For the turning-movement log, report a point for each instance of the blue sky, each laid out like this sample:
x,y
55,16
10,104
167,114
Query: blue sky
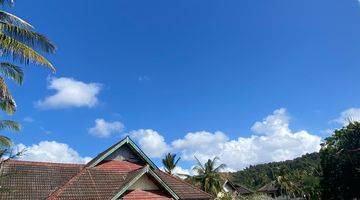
x,y
178,67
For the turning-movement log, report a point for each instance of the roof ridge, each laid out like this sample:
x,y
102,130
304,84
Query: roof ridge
x,y
93,182
43,163
179,179
57,191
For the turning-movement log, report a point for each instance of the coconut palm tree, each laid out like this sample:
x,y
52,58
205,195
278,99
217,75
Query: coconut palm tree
x,y
20,43
208,176
19,40
286,186
7,103
170,163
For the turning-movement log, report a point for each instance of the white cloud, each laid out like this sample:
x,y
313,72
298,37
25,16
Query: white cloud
x,y
351,114
70,93
51,151
200,144
151,142
104,129
272,140
179,171
278,122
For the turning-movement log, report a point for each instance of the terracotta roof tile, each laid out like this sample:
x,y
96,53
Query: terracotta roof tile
x,y
36,180
120,166
183,189
92,184
145,195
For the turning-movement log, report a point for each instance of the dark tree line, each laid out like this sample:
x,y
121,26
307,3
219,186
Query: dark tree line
x,y
340,162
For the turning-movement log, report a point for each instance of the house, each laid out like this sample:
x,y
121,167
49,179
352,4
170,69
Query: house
x,y
242,190
235,190
123,171
269,189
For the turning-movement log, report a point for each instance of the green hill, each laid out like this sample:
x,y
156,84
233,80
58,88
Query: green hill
x,y
301,170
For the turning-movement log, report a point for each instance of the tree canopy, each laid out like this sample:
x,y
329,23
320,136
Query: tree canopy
x,y
340,162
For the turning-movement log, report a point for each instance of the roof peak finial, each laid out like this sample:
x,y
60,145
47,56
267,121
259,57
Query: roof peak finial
x,y
127,137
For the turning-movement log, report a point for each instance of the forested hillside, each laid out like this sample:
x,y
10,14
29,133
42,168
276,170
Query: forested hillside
x,y
303,170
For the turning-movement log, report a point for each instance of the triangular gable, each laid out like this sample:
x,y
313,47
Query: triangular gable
x,y
227,185
125,142
137,175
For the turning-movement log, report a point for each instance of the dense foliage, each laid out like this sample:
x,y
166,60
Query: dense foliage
x,y
340,162
334,173
297,177
257,176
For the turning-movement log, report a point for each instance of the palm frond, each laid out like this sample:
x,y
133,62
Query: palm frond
x,y
8,105
5,142
28,37
215,159
208,177
170,163
10,125
22,52
12,71
220,167
14,20
176,162
7,102
199,164
7,2
4,91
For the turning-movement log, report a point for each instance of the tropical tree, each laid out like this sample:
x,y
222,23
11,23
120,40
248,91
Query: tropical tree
x,y
170,163
287,187
18,43
208,175
340,163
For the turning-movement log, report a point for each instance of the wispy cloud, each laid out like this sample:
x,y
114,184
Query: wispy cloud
x,y
70,93
143,78
28,119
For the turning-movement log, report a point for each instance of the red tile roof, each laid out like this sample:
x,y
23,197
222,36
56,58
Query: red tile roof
x,y
182,188
145,195
117,165
92,184
36,180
